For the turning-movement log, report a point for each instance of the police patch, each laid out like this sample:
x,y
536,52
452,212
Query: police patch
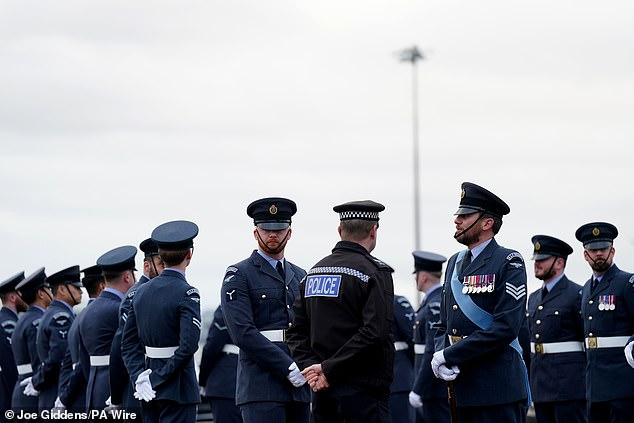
x,y
322,286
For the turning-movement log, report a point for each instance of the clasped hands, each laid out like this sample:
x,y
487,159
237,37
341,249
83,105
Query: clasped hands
x,y
315,377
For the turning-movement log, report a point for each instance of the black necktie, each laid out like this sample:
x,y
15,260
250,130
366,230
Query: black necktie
x,y
544,292
466,261
280,270
595,282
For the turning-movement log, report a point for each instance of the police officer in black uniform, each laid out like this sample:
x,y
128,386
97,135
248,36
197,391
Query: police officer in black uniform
x,y
121,387
73,377
100,321
36,292
341,334
429,394
402,332
558,361
607,308
52,336
483,307
218,367
256,298
164,326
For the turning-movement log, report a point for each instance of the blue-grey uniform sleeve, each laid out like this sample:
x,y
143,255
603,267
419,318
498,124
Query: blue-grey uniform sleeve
x,y
217,337
236,308
132,350
48,371
508,314
189,334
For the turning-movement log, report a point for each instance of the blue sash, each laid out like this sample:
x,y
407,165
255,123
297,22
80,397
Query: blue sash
x,y
480,317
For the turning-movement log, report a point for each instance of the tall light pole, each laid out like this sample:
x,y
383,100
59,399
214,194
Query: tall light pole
x,y
413,55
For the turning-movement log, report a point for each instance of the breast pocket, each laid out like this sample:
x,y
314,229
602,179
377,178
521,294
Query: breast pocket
x,y
265,302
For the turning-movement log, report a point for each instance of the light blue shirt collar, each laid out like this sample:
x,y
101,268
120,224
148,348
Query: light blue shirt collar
x,y
550,285
478,249
175,270
271,260
115,292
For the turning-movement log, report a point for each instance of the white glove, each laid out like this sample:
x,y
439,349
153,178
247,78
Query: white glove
x,y
59,405
29,390
110,407
203,391
143,387
295,376
628,354
448,374
437,359
415,400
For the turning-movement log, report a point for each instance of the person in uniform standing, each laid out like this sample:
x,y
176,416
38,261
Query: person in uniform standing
x,y
218,367
100,321
402,332
607,308
341,334
52,336
121,389
73,377
482,309
36,292
163,325
558,361
256,298
429,394
12,303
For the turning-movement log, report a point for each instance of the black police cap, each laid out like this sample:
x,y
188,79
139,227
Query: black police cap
x,y
149,247
33,282
10,284
428,261
118,259
68,276
176,235
545,246
474,198
597,235
272,213
359,210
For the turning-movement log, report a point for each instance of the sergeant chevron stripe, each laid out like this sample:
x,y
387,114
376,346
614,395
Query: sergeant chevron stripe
x,y
516,292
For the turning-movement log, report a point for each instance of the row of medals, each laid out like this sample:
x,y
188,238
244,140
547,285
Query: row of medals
x,y
607,302
476,287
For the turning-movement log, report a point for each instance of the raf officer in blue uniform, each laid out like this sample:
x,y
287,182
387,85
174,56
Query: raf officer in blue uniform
x,y
52,336
402,332
12,303
341,334
558,360
482,309
162,330
429,394
218,367
256,298
100,321
607,308
121,389
36,292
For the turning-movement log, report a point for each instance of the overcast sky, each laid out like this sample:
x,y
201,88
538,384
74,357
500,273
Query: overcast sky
x,y
116,116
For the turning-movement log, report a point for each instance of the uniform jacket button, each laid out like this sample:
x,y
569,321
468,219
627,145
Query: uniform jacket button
x,y
263,296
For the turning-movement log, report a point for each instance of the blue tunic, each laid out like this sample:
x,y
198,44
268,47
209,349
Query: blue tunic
x,y
24,345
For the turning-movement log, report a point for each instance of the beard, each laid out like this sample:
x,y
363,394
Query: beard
x,y
468,237
271,246
545,275
600,265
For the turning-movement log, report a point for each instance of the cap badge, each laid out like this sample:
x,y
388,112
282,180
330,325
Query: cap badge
x,y
462,193
596,231
273,209
537,246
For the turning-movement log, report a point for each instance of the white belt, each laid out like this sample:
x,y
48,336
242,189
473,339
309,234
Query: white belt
x,y
400,346
606,342
278,335
160,352
230,349
419,348
556,347
25,369
99,360
75,365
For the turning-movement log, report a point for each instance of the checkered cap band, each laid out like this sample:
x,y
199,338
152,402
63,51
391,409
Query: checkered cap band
x,y
361,215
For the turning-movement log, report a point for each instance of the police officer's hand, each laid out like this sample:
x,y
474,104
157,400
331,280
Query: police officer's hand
x,y
295,376
628,354
315,377
415,400
143,387
29,390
